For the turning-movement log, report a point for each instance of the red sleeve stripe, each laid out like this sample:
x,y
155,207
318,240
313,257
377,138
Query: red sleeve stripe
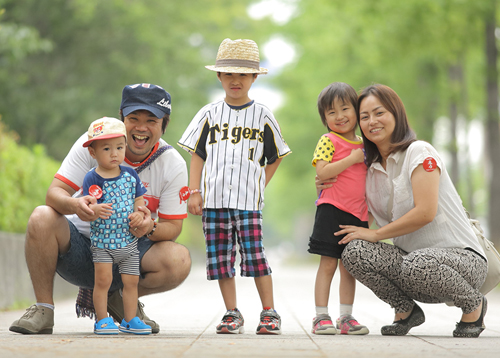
x,y
173,217
67,181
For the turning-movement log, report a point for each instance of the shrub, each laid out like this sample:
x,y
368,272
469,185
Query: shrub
x,y
25,175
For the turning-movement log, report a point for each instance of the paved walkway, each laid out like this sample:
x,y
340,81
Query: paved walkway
x,y
188,316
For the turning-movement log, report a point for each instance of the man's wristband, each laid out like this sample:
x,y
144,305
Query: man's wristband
x,y
155,224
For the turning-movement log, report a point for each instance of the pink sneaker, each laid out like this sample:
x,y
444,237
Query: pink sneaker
x,y
348,325
323,324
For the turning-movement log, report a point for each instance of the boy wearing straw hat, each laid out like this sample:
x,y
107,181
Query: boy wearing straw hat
x,y
119,192
237,145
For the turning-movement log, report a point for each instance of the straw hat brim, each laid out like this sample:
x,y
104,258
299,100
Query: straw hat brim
x,y
232,69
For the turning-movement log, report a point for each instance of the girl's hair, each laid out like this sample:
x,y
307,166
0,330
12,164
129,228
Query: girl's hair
x,y
402,136
336,91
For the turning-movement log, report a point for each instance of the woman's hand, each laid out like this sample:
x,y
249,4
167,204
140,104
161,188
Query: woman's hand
x,y
324,184
356,232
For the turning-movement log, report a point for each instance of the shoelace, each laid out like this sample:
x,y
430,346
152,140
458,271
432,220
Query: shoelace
x,y
142,315
141,310
30,312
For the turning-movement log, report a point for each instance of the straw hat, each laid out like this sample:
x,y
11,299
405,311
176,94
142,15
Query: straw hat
x,y
238,56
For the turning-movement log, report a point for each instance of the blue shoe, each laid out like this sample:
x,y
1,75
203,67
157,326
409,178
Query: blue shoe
x,y
135,326
105,326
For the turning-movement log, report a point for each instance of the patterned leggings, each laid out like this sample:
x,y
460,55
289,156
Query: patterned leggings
x,y
432,275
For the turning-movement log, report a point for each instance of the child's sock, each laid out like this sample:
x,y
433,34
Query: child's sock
x,y
321,310
345,310
48,305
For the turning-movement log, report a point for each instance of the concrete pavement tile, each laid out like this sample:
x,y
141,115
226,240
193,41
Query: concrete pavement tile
x,y
189,314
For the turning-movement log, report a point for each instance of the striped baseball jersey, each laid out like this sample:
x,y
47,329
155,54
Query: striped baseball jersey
x,y
236,143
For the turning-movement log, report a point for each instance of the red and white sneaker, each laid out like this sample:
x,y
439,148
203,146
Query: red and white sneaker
x,y
270,322
323,324
348,325
232,322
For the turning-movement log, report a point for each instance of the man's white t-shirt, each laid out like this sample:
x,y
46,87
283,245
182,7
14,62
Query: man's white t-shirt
x,y
163,180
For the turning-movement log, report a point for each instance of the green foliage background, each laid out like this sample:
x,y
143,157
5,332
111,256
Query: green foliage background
x,y
24,179
63,63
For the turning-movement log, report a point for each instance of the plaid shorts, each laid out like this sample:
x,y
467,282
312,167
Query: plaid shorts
x,y
222,227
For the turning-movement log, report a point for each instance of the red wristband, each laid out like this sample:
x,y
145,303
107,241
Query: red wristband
x,y
185,193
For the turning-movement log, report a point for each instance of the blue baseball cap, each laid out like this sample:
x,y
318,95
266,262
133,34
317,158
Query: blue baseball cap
x,y
145,96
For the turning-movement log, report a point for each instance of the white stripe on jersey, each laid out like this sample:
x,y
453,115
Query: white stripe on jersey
x,y
236,144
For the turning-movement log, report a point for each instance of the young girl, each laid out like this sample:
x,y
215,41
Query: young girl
x,y
339,153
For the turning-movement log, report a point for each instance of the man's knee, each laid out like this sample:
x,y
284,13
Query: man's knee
x,y
169,259
178,260
38,217
41,219
45,224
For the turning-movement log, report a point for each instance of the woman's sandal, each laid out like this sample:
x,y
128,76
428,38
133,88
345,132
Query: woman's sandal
x,y
403,326
472,329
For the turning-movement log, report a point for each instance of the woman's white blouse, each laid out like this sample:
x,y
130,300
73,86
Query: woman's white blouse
x,y
450,227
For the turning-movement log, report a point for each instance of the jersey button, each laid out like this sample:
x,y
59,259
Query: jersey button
x,y
230,187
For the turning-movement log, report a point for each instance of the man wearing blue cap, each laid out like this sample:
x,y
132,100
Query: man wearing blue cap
x,y
57,236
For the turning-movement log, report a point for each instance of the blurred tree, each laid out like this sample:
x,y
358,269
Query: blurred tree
x,y
492,118
430,52
98,47
65,64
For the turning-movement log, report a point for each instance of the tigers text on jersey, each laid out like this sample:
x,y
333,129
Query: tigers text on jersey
x,y
236,143
163,179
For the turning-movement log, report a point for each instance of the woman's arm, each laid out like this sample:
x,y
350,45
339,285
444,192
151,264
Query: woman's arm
x,y
425,187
